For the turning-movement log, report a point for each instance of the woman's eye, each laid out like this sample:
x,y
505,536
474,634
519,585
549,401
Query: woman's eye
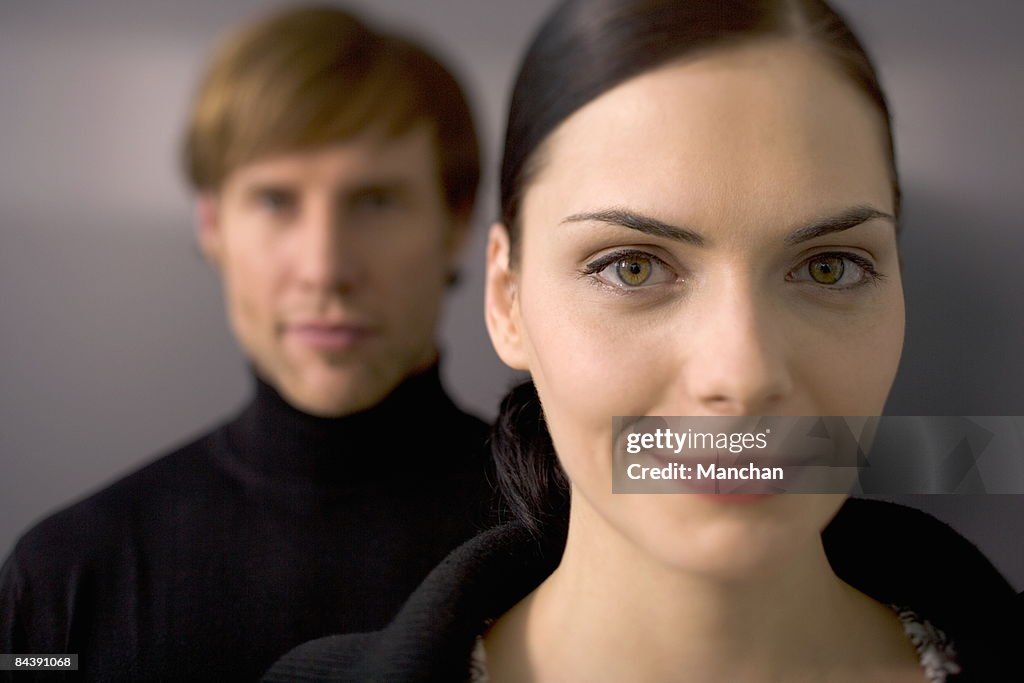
x,y
630,270
634,270
835,271
826,270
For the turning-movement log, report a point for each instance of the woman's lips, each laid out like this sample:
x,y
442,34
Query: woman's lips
x,y
735,497
711,489
329,337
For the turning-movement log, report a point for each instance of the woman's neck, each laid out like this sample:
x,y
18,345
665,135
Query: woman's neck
x,y
612,611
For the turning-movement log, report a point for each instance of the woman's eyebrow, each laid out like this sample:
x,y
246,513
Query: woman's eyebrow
x,y
844,220
627,218
637,221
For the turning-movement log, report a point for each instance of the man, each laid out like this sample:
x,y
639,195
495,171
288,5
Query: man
x,y
335,171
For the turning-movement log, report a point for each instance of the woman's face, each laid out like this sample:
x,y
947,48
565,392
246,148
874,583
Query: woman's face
x,y
710,238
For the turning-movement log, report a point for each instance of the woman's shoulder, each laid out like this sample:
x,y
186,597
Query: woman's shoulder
x,y
902,556
881,541
433,635
332,658
896,554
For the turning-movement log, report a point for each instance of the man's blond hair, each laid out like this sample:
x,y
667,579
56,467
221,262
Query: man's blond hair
x,y
315,76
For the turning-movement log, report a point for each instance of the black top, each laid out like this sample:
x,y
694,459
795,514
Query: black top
x,y
273,529
892,553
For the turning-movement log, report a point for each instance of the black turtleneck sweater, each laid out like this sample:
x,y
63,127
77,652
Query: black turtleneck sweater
x,y
275,528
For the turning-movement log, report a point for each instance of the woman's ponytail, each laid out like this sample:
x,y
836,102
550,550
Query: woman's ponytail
x,y
531,480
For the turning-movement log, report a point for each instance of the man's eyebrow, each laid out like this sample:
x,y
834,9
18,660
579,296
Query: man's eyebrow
x,y
381,183
396,185
637,221
259,186
844,220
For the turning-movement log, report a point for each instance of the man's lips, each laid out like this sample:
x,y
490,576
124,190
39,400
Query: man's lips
x,y
329,336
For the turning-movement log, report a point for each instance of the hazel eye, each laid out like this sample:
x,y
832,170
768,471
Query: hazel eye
x,y
634,270
826,270
630,270
835,271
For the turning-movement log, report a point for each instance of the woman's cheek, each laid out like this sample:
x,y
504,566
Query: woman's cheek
x,y
851,372
587,369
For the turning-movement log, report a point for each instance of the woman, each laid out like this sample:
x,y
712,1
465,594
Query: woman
x,y
699,217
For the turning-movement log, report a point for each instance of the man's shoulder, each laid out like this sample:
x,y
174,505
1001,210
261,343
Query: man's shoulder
x,y
93,524
469,425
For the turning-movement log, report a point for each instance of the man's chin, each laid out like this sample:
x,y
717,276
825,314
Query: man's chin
x,y
336,394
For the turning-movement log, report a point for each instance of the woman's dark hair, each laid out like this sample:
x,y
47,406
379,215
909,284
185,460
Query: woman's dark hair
x,y
532,483
582,50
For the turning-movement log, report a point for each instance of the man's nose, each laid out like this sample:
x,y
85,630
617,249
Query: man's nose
x,y
328,254
739,361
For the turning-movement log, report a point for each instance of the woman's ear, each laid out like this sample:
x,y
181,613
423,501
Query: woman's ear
x,y
207,227
501,301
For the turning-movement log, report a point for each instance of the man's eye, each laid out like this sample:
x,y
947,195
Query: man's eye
x,y
835,271
376,200
276,201
630,270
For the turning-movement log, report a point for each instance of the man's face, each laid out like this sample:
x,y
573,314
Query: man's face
x,y
334,264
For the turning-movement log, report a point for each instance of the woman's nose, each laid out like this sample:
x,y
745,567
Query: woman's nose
x,y
738,361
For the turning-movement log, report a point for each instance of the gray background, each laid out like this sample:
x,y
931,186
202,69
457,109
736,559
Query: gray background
x,y
114,343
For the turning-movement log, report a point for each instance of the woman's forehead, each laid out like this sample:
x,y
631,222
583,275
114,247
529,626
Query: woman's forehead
x,y
764,127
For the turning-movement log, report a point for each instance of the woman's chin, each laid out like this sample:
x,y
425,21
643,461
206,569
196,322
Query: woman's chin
x,y
729,539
